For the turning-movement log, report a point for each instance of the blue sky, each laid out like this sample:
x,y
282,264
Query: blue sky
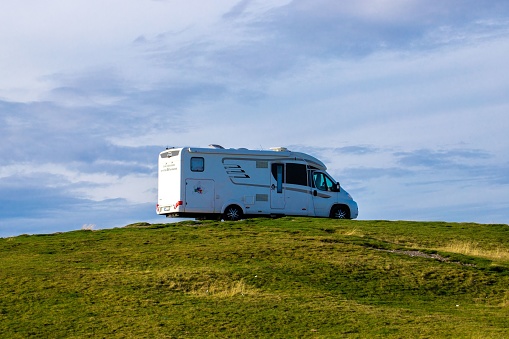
x,y
406,101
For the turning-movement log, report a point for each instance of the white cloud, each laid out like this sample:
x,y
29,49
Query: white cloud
x,y
369,10
41,38
95,186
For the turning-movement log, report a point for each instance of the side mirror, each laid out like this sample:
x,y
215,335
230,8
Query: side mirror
x,y
338,187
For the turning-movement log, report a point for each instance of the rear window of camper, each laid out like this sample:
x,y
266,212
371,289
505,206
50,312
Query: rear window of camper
x,y
169,154
197,164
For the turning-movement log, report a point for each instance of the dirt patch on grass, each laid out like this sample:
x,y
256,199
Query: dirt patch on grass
x,y
414,253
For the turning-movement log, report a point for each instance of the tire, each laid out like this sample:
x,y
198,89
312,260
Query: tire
x,y
340,212
232,213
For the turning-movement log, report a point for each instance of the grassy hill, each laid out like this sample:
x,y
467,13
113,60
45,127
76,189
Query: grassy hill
x,y
289,277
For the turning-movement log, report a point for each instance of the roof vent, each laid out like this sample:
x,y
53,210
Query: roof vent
x,y
216,146
279,149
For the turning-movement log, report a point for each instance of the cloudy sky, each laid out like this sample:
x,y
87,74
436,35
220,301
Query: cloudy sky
x,y
406,101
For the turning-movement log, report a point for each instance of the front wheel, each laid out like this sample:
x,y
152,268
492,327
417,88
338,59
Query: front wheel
x,y
232,213
340,212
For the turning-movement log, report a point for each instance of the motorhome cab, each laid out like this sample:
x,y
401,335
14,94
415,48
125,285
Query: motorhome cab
x,y
233,183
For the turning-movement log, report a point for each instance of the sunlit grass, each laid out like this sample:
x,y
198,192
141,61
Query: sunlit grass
x,y
473,248
206,282
227,290
354,232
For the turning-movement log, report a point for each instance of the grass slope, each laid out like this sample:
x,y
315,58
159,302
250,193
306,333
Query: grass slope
x,y
290,277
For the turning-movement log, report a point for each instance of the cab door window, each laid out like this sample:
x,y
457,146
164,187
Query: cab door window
x,y
322,182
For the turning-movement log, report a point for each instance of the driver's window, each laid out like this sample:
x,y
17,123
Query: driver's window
x,y
320,181
323,182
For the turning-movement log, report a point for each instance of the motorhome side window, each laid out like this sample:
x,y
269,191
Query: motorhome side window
x,y
296,174
197,164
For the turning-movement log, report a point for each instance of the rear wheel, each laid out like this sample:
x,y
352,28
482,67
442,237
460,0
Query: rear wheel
x,y
232,213
340,212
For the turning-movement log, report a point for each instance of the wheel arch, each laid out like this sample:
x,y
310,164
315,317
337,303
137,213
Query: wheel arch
x,y
337,207
235,203
233,212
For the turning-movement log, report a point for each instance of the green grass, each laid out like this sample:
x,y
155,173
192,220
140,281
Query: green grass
x,y
289,277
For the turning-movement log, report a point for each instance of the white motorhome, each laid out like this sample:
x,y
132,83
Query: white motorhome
x,y
232,183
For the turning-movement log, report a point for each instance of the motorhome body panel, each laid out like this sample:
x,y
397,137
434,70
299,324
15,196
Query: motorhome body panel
x,y
203,181
169,182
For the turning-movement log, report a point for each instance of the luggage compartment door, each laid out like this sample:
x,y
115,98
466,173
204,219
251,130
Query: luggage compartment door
x,y
200,195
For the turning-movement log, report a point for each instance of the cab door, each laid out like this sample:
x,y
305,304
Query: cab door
x,y
323,191
277,194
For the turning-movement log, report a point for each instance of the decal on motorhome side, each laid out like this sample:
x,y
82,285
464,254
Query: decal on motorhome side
x,y
235,171
198,189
